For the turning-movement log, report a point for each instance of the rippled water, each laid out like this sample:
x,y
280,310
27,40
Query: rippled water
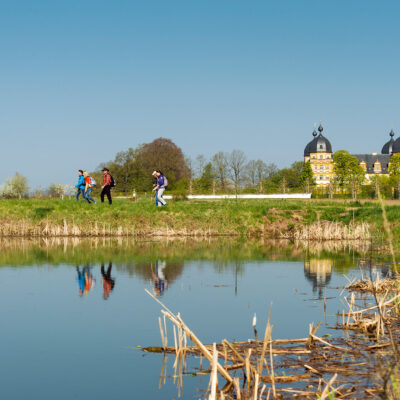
x,y
74,314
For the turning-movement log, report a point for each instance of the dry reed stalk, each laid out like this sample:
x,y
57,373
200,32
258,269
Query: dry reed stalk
x,y
247,366
236,384
386,225
214,376
325,392
238,356
272,369
179,323
256,383
162,333
267,335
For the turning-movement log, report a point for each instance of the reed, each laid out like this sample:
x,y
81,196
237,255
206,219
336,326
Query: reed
x,y
321,368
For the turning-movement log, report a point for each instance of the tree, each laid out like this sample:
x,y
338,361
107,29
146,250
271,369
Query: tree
x,y
394,171
306,179
220,165
58,190
236,163
17,186
123,169
291,176
205,182
55,190
165,155
200,164
348,172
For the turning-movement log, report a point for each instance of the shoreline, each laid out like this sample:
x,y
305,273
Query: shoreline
x,y
268,219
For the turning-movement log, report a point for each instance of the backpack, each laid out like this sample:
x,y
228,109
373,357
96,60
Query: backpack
x,y
93,182
112,182
166,183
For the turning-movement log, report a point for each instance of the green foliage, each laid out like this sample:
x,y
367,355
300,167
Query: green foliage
x,y
346,168
204,184
394,165
306,179
284,179
132,169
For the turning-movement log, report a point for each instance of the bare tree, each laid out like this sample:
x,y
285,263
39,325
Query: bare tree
x,y
200,164
236,162
251,173
189,163
220,164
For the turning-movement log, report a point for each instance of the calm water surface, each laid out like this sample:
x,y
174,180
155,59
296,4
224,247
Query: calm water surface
x,y
71,324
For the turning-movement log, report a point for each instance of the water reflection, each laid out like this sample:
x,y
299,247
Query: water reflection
x,y
319,273
108,281
160,279
85,280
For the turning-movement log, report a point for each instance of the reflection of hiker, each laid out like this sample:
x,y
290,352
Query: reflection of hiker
x,y
162,184
108,183
85,280
80,186
159,278
108,282
89,184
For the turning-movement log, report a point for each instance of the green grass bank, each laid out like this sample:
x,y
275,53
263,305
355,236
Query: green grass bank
x,y
252,218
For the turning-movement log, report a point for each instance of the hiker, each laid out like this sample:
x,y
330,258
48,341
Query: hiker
x,y
108,282
162,184
89,183
154,185
80,186
108,183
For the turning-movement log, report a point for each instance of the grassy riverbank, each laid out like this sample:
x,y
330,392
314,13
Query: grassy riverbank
x,y
265,218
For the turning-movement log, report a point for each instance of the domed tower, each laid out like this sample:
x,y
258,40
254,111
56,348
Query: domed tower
x,y
396,146
388,146
319,153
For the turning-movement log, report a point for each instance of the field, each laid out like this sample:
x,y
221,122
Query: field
x,y
292,219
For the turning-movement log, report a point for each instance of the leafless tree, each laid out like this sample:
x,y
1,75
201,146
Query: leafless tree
x,y
251,173
236,162
220,164
200,164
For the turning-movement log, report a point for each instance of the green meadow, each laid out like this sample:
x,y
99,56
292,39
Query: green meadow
x,y
32,217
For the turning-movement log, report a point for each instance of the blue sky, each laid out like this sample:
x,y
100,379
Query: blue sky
x,y
82,80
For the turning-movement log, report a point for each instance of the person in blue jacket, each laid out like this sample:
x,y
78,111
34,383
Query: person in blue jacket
x,y
80,186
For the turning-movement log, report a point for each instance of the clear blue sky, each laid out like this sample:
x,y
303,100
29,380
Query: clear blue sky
x,y
81,80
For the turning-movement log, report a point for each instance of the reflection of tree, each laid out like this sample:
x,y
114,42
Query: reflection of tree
x,y
146,270
319,273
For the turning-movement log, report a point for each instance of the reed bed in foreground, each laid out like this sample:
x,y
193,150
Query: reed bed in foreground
x,y
363,363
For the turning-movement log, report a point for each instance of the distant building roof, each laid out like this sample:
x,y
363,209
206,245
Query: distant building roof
x,y
370,160
396,146
388,146
320,144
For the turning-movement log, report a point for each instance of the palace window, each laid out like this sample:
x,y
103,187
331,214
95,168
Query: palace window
x,y
321,177
321,157
321,167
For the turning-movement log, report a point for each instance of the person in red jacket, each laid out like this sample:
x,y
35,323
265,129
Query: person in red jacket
x,y
106,188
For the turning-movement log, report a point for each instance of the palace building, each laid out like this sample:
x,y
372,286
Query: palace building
x,y
319,153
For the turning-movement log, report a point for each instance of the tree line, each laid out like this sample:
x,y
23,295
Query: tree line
x,y
223,172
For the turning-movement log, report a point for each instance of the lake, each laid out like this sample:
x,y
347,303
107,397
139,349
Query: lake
x,y
74,312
